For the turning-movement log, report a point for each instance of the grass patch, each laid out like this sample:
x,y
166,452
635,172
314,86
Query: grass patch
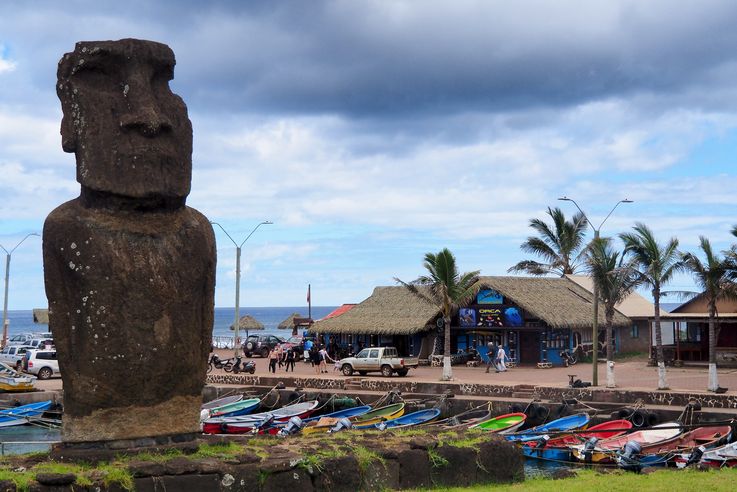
x,y
219,451
112,474
22,480
366,457
589,480
435,459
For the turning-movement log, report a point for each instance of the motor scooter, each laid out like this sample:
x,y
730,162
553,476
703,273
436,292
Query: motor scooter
x,y
249,367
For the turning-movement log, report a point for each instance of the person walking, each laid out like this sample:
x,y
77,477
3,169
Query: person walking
x,y
290,360
491,351
324,358
501,356
279,354
315,358
273,357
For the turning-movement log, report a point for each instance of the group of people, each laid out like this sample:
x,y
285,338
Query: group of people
x,y
315,354
497,357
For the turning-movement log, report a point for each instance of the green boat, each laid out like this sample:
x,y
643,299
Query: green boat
x,y
375,416
502,424
242,407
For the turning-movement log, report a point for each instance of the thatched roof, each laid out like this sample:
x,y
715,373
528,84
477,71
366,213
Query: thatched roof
x,y
560,302
248,322
288,323
389,311
41,316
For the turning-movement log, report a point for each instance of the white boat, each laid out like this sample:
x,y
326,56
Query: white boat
x,y
14,381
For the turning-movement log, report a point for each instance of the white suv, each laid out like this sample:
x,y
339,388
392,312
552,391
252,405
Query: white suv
x,y
12,355
42,363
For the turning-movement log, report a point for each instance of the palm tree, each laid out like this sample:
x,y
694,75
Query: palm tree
x,y
615,277
447,289
560,246
714,278
657,265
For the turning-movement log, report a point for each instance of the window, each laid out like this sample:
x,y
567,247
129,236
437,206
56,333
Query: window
x,y
635,331
46,355
374,353
363,354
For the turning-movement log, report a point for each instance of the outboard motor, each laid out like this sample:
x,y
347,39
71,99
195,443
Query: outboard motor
x,y
631,449
265,423
696,455
542,441
343,423
588,449
294,425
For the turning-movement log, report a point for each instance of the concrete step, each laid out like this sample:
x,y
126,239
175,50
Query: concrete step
x,y
526,395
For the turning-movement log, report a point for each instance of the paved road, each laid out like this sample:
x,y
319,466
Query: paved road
x,y
633,374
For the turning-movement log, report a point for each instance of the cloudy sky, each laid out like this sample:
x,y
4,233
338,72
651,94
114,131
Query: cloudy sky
x,y
371,132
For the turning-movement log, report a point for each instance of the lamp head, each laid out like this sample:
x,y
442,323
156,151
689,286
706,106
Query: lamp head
x,y
627,200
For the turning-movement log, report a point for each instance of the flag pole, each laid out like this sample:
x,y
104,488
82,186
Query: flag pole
x,y
309,302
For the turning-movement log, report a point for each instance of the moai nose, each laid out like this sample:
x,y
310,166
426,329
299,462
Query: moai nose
x,y
144,113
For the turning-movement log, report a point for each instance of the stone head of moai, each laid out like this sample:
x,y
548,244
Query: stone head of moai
x,y
130,133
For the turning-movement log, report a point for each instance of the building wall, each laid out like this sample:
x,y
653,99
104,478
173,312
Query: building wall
x,y
633,338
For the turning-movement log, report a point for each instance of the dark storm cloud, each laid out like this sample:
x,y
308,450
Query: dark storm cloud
x,y
376,59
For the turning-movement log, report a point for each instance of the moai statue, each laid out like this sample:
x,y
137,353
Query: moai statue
x,y
129,268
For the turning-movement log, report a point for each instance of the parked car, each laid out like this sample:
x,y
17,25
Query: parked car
x,y
297,341
42,363
378,359
261,344
27,338
12,355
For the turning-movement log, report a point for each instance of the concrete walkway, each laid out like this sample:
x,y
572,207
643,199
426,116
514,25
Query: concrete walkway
x,y
629,375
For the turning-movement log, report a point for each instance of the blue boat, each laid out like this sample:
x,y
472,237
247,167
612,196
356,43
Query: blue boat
x,y
23,414
562,424
348,412
547,453
414,418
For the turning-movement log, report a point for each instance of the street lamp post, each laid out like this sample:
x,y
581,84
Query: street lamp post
x,y
6,322
238,279
595,321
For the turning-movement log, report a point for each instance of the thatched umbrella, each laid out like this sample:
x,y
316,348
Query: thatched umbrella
x,y
248,322
288,323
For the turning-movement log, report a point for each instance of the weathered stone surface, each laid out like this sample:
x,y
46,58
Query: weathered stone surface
x,y
458,467
414,469
179,483
7,486
294,480
56,479
129,269
339,475
146,468
381,476
499,461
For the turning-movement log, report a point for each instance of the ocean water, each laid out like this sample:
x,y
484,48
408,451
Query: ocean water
x,y
22,321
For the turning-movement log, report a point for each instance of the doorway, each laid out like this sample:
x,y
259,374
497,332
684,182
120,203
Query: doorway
x,y
529,347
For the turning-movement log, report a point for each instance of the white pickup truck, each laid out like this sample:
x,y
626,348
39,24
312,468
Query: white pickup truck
x,y
378,359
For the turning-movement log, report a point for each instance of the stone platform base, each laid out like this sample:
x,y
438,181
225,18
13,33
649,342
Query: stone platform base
x,y
105,450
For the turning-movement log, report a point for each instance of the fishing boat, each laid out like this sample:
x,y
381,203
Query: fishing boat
x,y
716,457
23,414
221,401
557,448
323,423
12,381
410,419
661,452
464,419
242,407
246,423
604,451
563,424
367,420
502,424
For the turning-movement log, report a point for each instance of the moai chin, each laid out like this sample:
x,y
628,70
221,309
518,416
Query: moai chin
x,y
129,269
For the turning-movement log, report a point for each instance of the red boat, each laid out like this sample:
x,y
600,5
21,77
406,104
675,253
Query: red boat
x,y
246,423
701,436
605,430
